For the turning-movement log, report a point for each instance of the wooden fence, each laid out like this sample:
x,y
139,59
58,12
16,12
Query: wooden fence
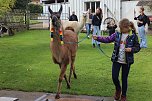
x,y
16,20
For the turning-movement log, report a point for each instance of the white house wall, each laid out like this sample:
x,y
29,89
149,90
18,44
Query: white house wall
x,y
56,7
114,6
130,10
77,6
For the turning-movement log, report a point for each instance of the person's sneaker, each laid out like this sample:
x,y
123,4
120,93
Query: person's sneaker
x,y
93,46
88,37
117,94
123,98
143,47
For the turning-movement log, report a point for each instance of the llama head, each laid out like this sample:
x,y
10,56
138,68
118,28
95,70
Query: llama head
x,y
55,17
84,14
84,17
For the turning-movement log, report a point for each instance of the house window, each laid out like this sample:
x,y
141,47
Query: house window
x,y
97,4
54,1
48,1
87,5
92,5
59,1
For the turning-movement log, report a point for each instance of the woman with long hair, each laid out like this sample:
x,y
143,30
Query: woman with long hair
x,y
142,20
96,22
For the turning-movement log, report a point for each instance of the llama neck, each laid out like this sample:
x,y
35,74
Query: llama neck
x,y
56,45
56,40
82,23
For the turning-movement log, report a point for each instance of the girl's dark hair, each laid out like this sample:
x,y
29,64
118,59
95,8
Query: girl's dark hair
x,y
132,26
101,14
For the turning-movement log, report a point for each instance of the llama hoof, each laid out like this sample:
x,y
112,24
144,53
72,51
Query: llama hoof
x,y
75,76
57,96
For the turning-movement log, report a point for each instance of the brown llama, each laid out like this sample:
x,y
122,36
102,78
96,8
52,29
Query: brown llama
x,y
63,54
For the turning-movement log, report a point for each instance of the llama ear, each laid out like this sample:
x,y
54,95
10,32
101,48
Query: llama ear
x,y
50,10
60,11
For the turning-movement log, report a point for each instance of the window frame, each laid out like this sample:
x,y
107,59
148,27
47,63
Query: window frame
x,y
90,2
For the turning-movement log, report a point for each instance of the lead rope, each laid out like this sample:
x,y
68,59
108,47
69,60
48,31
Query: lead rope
x,y
100,49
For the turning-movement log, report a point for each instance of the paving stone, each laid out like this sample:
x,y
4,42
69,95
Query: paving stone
x,y
8,99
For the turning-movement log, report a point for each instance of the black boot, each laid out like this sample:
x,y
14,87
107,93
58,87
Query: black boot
x,y
94,46
98,45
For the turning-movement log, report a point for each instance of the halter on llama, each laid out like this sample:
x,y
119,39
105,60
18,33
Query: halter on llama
x,y
60,32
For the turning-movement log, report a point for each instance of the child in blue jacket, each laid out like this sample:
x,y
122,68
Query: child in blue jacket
x,y
123,55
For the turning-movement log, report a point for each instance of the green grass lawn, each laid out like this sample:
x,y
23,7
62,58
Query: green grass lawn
x,y
26,64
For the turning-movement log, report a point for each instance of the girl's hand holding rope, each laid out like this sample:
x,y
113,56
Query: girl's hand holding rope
x,y
128,50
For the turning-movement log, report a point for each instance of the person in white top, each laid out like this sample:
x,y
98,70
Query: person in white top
x,y
89,22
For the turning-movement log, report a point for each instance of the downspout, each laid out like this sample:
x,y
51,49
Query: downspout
x,y
120,9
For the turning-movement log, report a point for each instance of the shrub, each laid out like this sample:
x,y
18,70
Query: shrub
x,y
33,8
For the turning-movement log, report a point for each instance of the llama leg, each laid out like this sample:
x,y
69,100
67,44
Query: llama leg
x,y
70,74
65,77
62,73
73,67
68,84
75,76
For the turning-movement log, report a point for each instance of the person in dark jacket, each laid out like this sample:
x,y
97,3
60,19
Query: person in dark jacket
x,y
123,55
96,22
73,17
142,20
111,27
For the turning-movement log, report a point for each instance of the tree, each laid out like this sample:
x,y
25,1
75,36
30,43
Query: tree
x,y
33,8
150,6
6,5
21,4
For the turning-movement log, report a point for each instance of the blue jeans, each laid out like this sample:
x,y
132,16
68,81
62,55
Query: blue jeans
x,y
88,28
96,31
142,35
115,76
